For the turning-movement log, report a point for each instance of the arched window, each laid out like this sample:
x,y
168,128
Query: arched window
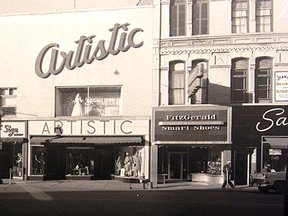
x,y
177,17
263,79
239,81
176,83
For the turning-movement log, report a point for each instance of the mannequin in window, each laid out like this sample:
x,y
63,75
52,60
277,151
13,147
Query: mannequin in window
x,y
136,164
78,108
19,164
128,164
118,165
40,163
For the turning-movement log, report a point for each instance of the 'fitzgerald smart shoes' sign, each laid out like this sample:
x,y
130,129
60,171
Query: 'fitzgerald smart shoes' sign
x,y
85,53
192,125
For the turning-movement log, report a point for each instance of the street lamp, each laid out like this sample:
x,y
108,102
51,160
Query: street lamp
x,y
1,114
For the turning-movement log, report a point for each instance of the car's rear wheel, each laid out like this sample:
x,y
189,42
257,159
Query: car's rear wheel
x,y
279,186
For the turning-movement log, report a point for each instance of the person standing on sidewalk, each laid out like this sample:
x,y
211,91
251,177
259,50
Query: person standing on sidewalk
x,y
227,175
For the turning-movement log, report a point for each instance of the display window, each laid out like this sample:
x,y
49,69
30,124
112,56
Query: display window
x,y
274,159
206,160
80,161
128,162
37,160
180,163
91,161
88,101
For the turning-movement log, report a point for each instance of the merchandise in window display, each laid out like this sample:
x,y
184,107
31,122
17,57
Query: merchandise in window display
x,y
78,107
118,165
136,169
79,162
39,164
214,167
128,164
98,103
19,164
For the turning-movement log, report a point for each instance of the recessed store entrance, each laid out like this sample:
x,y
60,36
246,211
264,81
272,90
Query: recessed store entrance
x,y
104,163
79,157
178,165
11,159
55,168
76,162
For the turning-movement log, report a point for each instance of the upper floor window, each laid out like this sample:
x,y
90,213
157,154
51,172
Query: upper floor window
x,y
88,101
200,17
239,81
176,83
177,17
197,82
239,16
263,79
8,100
263,15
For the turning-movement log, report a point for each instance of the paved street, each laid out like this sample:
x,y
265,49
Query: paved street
x,y
116,198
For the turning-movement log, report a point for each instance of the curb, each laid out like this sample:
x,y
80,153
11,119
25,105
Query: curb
x,y
84,185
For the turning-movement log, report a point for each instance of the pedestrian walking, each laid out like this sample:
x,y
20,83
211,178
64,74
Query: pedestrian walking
x,y
227,175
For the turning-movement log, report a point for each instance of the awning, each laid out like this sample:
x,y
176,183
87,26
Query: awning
x,y
89,140
277,142
12,140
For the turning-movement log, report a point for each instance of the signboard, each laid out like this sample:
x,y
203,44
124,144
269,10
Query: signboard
x,y
281,86
191,125
91,127
13,129
250,123
99,53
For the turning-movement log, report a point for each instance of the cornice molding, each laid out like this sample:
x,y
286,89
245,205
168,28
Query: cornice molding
x,y
237,43
165,51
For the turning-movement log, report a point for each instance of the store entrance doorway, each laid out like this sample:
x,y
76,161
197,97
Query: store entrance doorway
x,y
104,163
178,165
55,168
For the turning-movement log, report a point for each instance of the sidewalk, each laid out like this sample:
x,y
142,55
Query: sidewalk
x,y
18,185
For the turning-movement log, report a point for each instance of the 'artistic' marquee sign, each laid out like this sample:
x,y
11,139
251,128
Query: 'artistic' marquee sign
x,y
93,127
85,54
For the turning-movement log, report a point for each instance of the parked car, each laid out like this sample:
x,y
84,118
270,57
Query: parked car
x,y
267,181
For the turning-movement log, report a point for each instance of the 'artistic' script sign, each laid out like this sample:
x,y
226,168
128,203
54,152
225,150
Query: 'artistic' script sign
x,y
85,53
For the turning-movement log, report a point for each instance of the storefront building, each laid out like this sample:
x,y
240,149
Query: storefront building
x,y
86,68
82,81
232,60
259,138
86,149
191,142
13,143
